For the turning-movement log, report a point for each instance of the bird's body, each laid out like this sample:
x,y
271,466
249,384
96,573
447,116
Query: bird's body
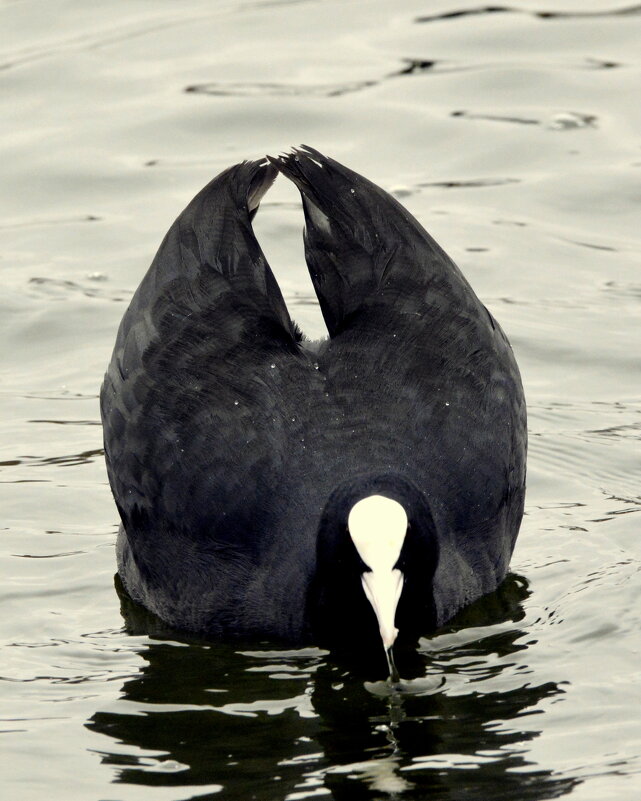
x,y
232,448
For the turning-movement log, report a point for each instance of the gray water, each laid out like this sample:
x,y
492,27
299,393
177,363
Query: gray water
x,y
512,133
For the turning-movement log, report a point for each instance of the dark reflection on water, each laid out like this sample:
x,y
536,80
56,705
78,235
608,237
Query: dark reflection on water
x,y
253,722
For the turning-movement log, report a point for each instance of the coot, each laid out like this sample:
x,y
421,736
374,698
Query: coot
x,y
335,493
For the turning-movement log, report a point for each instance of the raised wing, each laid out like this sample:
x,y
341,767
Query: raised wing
x,y
193,379
411,340
361,244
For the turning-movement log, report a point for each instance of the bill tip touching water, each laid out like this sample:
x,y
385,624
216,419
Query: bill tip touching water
x,y
355,495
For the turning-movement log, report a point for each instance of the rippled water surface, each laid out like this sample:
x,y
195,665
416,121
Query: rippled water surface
x,y
512,133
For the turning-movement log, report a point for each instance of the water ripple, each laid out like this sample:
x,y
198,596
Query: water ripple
x,y
560,121
240,89
86,457
547,15
59,288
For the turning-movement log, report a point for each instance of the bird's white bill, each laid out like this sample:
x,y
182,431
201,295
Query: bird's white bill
x,y
383,589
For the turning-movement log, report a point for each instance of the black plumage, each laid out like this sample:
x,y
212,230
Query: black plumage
x,y
234,449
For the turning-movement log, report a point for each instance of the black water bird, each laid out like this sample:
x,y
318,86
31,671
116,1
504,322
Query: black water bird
x,y
334,493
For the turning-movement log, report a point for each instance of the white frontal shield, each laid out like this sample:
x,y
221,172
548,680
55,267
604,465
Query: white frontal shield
x,y
377,526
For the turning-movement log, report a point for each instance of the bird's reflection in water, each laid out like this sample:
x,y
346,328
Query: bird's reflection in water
x,y
216,719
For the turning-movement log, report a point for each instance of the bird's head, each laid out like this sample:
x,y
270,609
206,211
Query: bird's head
x,y
376,555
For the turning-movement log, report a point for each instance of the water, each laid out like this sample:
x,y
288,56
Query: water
x,y
513,134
